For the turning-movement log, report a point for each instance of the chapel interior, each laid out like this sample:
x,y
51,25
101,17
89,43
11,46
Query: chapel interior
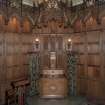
x,y
52,52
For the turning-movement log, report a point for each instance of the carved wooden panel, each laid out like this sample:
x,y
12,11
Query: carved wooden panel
x,y
93,72
46,43
81,72
94,60
95,89
14,25
81,87
93,37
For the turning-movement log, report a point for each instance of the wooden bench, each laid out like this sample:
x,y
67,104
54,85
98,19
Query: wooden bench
x,y
11,96
20,83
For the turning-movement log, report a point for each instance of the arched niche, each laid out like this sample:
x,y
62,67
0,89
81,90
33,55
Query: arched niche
x,y
103,21
27,26
14,24
78,25
91,23
2,21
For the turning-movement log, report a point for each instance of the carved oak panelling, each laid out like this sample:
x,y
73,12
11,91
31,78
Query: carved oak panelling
x,y
93,72
27,39
93,48
93,37
81,72
95,89
78,39
13,60
82,87
81,59
94,60
12,38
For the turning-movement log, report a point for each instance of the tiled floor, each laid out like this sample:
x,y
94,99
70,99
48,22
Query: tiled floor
x,y
67,101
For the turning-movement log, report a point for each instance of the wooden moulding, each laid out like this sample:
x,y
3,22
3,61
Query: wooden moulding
x,y
53,88
95,89
81,86
94,60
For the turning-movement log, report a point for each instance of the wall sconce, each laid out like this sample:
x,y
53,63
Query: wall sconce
x,y
69,44
37,40
36,44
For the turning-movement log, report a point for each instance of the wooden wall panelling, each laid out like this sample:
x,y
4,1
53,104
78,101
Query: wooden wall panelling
x,y
26,41
45,43
26,25
93,36
26,47
94,89
91,24
104,52
24,59
94,64
13,25
102,66
85,62
1,22
52,41
82,87
101,86
60,28
13,73
94,59
27,38
45,57
81,72
81,59
79,46
46,29
59,43
12,54
104,60
91,57
78,42
78,26
78,38
38,30
92,49
3,67
60,61
93,72
1,63
103,22
25,71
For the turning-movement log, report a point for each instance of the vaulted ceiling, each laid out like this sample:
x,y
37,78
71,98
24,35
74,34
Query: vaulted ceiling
x,y
69,11
38,2
75,2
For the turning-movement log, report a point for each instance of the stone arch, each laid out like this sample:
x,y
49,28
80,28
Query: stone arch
x,y
91,23
29,17
14,23
27,24
15,15
103,21
2,18
78,25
